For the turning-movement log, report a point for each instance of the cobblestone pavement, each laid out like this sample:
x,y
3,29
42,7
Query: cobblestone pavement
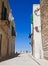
x,y
22,59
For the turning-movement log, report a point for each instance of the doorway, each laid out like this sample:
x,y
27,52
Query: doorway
x,y
8,47
0,43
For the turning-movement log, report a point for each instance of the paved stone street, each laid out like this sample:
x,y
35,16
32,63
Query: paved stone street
x,y
22,59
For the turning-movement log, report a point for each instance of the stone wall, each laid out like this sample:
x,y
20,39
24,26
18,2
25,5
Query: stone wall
x,y
8,41
4,43
37,41
44,24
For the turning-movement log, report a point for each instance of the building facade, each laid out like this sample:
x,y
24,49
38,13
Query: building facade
x,y
7,30
37,50
44,25
40,30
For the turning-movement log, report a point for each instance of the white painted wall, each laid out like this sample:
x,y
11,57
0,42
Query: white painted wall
x,y
38,52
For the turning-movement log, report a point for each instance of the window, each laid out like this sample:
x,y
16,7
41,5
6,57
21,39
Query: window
x,y
4,12
13,31
36,28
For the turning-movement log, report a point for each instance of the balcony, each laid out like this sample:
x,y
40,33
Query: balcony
x,y
4,23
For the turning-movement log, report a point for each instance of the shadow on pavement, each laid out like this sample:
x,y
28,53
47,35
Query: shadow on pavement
x,y
10,57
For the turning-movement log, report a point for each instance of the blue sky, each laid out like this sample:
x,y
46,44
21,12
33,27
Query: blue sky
x,y
22,10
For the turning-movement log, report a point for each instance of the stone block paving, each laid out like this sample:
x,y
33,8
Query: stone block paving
x,y
22,59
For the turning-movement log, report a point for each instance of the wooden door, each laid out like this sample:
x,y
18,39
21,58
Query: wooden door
x,y
0,43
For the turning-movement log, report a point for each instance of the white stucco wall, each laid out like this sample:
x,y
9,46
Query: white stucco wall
x,y
37,35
